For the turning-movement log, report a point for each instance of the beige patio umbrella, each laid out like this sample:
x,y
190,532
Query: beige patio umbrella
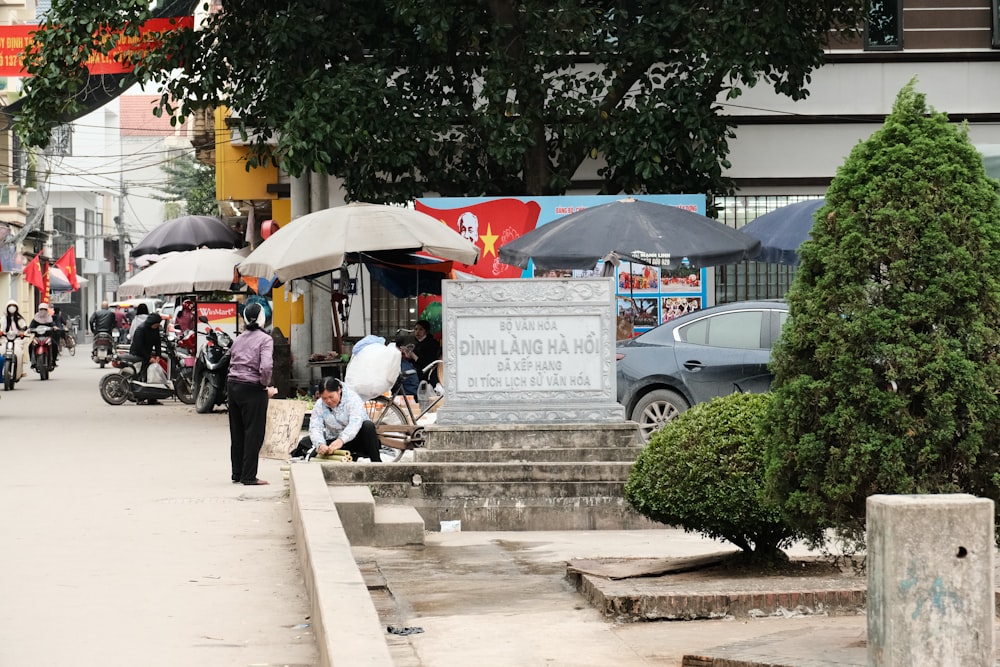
x,y
319,242
202,270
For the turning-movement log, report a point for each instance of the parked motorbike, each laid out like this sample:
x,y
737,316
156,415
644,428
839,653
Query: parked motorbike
x,y
11,362
103,348
175,368
43,352
211,369
177,350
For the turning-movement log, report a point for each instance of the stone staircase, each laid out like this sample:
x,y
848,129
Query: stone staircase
x,y
371,525
512,478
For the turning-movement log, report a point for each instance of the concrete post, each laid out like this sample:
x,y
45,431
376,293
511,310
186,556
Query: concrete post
x,y
930,581
321,327
300,337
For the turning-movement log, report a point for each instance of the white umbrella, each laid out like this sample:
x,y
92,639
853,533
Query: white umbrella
x,y
60,283
319,242
203,270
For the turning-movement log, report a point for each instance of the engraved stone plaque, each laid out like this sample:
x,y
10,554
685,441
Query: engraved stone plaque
x,y
529,351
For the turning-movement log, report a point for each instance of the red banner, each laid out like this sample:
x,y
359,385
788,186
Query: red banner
x,y
15,39
489,225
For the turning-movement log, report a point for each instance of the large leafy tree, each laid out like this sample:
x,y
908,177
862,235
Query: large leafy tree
x,y
190,186
463,97
887,374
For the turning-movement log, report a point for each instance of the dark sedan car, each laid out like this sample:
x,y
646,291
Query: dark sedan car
x,y
696,357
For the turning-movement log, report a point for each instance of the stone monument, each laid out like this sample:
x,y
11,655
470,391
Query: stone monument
x,y
536,353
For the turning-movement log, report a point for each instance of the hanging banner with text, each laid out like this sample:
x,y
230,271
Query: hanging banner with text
x,y
15,39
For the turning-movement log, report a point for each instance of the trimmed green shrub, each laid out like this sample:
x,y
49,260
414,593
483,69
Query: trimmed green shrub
x,y
704,472
886,374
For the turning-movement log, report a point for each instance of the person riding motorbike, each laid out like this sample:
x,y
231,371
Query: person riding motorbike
x,y
13,321
44,318
62,327
102,320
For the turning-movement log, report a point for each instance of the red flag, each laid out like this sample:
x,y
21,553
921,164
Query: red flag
x,y
33,273
68,265
46,286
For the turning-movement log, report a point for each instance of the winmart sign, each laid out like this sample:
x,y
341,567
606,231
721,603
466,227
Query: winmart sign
x,y
16,39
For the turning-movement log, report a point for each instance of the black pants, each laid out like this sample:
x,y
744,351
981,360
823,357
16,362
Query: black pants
x,y
247,419
365,444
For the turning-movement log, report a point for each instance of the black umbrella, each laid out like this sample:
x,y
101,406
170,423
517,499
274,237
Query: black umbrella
x,y
188,232
633,230
783,230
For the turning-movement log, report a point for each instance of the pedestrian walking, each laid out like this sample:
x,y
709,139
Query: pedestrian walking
x,y
251,362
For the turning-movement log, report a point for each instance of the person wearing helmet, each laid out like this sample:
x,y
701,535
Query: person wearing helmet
x,y
251,362
44,318
184,320
13,321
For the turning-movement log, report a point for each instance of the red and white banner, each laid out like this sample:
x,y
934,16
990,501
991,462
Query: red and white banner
x,y
15,39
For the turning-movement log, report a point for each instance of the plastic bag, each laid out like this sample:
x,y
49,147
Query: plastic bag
x,y
365,342
156,375
373,370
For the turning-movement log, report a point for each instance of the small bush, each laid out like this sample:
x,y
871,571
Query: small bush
x,y
704,472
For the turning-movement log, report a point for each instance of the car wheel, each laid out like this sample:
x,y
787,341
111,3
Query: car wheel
x,y
655,409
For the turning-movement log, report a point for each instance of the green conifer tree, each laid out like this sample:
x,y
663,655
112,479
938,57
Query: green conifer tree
x,y
887,374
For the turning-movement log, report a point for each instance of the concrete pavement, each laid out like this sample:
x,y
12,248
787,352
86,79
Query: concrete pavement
x,y
126,545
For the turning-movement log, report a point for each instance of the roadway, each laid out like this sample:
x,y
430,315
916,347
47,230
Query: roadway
x,y
125,544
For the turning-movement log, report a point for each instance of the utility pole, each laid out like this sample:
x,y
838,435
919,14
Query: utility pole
x,y
122,234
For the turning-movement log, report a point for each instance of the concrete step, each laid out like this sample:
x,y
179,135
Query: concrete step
x,y
549,454
489,472
531,436
397,526
525,514
367,524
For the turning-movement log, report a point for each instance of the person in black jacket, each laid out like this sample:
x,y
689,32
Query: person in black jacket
x,y
102,320
146,343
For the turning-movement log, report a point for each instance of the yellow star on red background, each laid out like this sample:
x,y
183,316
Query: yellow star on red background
x,y
489,240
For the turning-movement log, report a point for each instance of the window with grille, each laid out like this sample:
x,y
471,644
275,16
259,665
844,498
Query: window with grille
x,y
752,280
64,224
391,312
91,231
884,27
62,141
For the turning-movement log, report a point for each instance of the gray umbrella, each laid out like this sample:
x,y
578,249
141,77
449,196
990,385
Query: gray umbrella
x,y
634,230
783,230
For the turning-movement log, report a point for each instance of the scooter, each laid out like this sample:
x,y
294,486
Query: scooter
x,y
116,388
43,352
11,363
125,385
102,351
181,364
103,348
211,369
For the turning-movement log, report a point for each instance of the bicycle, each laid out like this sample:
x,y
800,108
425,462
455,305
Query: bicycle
x,y
68,339
398,430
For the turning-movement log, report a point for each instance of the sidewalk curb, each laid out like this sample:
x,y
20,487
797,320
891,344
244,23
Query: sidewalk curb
x,y
336,588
